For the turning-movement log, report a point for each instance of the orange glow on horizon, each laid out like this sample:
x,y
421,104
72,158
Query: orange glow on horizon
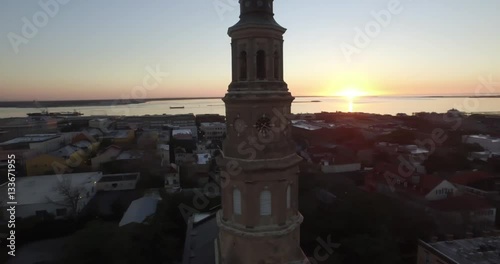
x,y
352,92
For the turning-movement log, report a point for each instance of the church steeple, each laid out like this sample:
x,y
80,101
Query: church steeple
x,y
259,221
252,7
257,48
253,12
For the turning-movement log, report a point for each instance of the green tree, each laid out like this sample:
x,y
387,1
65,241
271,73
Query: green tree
x,y
449,162
370,228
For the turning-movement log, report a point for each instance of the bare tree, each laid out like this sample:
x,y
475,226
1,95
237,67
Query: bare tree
x,y
71,197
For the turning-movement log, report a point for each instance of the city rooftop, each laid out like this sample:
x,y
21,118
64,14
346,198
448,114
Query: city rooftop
x,y
31,138
481,250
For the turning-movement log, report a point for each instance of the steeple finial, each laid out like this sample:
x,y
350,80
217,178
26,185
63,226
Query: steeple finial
x,y
251,7
256,12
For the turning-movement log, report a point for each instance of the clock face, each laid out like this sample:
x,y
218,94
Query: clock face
x,y
263,125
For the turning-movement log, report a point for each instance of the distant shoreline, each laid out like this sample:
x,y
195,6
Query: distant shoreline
x,y
79,103
110,102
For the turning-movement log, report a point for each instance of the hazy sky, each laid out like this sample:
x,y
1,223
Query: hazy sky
x,y
101,49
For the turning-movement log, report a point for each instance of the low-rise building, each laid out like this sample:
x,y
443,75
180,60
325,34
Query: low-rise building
x,y
462,251
91,135
201,238
479,183
139,211
120,136
118,182
196,173
127,161
305,125
207,118
62,160
214,130
465,211
105,156
386,147
164,137
340,165
182,157
14,127
491,144
104,124
452,208
208,147
20,155
415,154
43,196
46,164
183,138
147,139
164,152
42,143
480,155
182,134
394,180
172,177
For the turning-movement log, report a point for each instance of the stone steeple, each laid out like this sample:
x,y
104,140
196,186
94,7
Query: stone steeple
x,y
259,221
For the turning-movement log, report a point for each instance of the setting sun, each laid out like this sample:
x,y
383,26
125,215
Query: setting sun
x,y
351,92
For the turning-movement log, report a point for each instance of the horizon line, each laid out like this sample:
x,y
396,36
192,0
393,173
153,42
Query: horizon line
x,y
219,97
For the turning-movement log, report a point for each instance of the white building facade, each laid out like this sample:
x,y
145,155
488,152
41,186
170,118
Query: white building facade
x,y
41,195
489,143
214,130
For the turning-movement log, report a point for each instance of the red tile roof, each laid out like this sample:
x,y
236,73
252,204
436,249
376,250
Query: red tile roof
x,y
469,177
386,173
429,182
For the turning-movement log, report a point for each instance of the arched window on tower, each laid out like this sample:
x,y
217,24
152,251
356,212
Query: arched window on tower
x,y
288,197
261,65
243,66
276,65
265,203
236,201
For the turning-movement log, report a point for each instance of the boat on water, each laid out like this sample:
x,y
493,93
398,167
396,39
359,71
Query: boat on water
x,y
55,114
315,101
177,107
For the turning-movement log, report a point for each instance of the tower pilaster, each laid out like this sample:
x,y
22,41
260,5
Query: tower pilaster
x,y
259,221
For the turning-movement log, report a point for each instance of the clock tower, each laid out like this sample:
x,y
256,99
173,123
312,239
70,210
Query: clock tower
x,y
259,221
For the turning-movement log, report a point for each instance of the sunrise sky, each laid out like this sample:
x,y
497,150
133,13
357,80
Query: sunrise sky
x,y
97,49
